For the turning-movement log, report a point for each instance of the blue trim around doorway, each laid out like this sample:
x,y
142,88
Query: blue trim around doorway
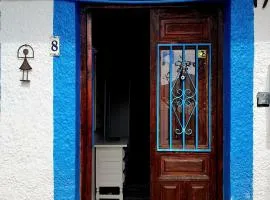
x,y
238,97
66,102
238,100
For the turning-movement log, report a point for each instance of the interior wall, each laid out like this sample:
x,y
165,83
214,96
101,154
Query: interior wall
x,y
26,115
261,115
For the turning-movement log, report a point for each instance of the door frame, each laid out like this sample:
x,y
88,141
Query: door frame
x,y
86,94
86,109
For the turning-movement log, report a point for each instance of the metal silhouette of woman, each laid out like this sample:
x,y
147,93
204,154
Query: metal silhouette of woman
x,y
25,66
25,52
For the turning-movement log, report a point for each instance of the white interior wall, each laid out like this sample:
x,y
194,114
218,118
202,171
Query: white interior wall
x,y
261,115
26,116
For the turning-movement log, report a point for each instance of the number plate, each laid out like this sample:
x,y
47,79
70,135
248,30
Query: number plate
x,y
202,53
55,46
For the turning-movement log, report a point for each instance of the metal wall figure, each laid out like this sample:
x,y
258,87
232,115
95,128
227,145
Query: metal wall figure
x,y
255,3
264,4
25,51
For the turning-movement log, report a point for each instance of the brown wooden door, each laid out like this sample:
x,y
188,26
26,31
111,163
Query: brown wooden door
x,y
87,67
186,145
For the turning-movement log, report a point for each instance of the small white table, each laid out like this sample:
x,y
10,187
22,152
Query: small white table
x,y
110,169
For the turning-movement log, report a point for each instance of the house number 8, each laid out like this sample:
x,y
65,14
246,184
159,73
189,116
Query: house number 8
x,y
55,46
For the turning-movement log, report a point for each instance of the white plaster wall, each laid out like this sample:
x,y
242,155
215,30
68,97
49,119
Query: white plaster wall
x,y
261,115
26,116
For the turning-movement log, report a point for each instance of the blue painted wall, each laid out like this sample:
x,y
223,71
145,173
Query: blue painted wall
x,y
238,98
66,102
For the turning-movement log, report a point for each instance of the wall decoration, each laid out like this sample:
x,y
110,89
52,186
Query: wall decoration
x,y
255,3
264,4
26,52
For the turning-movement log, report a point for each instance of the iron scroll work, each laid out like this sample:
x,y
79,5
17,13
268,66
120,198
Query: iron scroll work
x,y
264,4
184,97
25,52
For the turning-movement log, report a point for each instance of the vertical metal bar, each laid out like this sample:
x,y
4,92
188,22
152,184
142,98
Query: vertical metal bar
x,y
171,88
197,95
209,96
158,95
183,103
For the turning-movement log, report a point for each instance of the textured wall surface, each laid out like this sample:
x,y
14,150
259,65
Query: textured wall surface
x,y
39,127
66,102
26,126
238,100
238,106
261,115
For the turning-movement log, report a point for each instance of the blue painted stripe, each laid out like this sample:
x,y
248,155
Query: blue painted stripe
x,y
66,102
238,100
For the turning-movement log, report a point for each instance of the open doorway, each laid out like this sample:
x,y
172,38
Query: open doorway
x,y
116,110
121,40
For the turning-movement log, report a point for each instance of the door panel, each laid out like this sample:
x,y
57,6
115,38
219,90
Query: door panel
x,y
198,191
182,166
172,29
183,134
169,191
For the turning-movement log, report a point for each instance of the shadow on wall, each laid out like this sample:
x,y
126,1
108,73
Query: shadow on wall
x,y
267,110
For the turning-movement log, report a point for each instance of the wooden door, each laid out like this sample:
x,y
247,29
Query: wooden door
x,y
87,108
186,147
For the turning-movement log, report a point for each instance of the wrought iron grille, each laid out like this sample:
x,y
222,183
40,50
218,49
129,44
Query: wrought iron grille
x,y
184,97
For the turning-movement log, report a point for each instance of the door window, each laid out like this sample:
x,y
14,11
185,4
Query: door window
x,y
184,97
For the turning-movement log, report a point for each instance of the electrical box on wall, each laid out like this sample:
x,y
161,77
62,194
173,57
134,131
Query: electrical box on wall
x,y
263,99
